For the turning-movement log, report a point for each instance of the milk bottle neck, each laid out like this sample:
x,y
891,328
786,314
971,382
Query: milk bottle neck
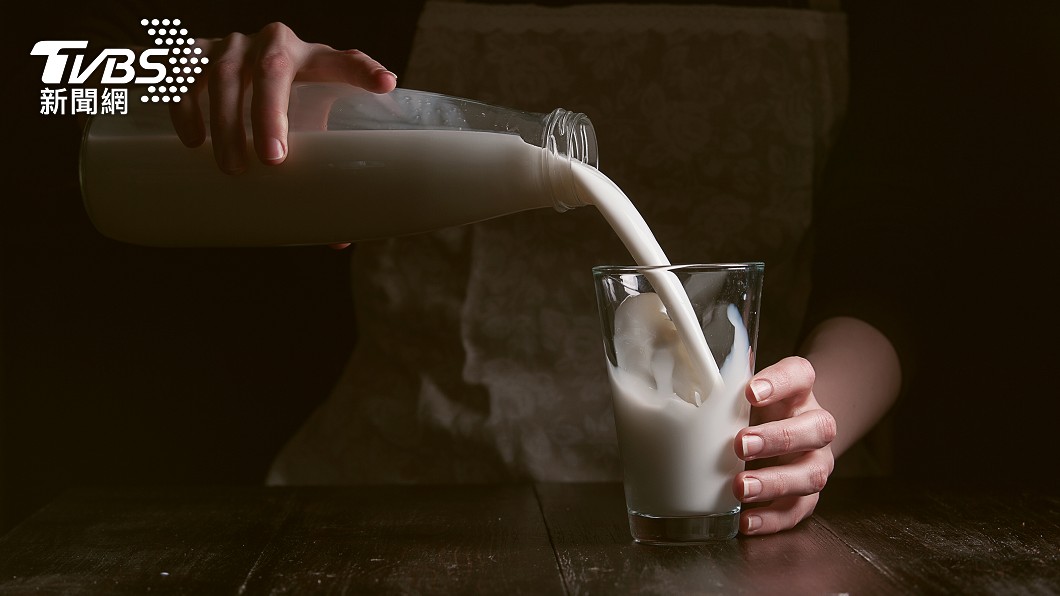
x,y
568,137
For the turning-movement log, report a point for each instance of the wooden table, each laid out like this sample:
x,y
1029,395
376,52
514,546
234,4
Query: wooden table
x,y
868,537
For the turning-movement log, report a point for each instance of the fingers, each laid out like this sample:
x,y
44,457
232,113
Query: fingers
x,y
186,114
271,60
278,60
227,78
281,58
187,119
791,435
792,377
325,64
804,475
810,430
782,514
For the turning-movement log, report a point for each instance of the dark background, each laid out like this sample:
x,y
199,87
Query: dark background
x,y
124,364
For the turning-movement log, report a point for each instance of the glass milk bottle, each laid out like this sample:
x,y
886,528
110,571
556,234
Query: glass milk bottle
x,y
360,166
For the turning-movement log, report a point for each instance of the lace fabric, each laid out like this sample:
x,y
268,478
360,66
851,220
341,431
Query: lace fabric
x,y
480,356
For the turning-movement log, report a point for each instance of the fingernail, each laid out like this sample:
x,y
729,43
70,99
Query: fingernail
x,y
386,72
752,445
274,149
753,523
751,487
761,389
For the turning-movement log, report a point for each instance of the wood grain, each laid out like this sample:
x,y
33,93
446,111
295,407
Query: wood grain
x,y
134,541
950,540
376,540
410,540
867,537
598,556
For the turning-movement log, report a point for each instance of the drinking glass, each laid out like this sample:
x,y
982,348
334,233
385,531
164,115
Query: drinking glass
x,y
677,415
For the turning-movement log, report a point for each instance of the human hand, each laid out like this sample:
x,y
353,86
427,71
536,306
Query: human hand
x,y
788,447
268,62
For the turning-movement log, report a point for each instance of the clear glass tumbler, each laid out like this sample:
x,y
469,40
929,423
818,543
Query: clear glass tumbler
x,y
676,429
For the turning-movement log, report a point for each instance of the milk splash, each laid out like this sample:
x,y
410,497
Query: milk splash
x,y
626,221
676,410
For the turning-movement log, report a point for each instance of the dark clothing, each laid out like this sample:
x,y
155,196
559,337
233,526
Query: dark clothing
x,y
937,223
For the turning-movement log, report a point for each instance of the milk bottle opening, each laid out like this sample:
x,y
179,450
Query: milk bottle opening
x,y
565,134
570,135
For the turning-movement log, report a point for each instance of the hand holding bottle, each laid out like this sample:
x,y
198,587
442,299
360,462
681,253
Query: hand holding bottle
x,y
267,62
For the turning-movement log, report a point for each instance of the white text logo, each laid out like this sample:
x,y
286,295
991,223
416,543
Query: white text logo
x,y
168,69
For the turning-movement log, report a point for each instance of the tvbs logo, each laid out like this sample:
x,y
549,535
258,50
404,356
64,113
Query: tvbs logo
x,y
118,69
168,68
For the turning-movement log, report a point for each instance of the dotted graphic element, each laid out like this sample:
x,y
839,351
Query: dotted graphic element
x,y
168,33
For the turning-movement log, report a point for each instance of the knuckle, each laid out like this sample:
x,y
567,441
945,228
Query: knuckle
x,y
270,113
793,374
826,426
233,39
806,369
818,477
277,30
275,64
786,440
781,485
226,68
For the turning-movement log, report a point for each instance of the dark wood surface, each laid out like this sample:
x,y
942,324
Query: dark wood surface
x,y
867,537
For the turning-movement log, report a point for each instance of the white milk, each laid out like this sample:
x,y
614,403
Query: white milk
x,y
677,413
335,186
656,425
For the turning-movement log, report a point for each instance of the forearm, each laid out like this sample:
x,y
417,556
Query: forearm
x,y
858,375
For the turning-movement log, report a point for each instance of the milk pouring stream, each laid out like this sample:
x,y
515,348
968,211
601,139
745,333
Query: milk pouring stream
x,y
363,166
677,412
